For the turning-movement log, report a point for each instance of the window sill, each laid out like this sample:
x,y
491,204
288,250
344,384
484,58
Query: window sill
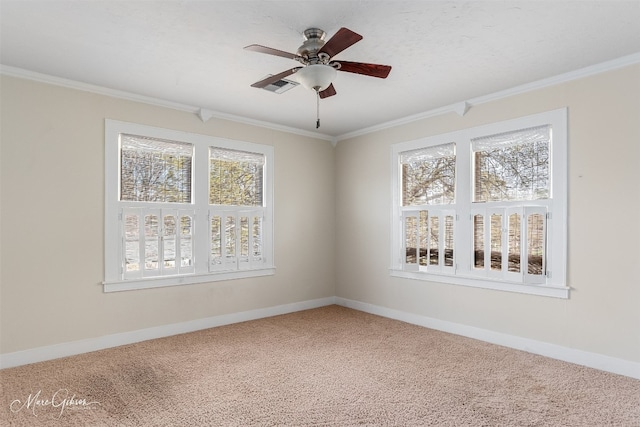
x,y
542,290
187,279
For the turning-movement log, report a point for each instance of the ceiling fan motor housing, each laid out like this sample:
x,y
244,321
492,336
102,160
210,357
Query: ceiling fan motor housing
x,y
314,40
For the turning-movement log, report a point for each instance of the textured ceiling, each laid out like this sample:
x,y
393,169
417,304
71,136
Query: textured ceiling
x,y
190,52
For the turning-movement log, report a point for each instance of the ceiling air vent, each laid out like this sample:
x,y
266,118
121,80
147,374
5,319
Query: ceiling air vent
x,y
281,86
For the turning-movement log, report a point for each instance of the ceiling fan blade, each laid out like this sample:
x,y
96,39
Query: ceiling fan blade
x,y
271,51
272,79
373,70
329,91
340,41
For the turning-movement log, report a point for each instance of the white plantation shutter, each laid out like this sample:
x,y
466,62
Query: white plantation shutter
x,y
510,243
411,238
185,243
236,240
156,242
429,240
535,244
132,243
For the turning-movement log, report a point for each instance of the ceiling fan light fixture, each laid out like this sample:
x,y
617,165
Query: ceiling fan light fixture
x,y
316,76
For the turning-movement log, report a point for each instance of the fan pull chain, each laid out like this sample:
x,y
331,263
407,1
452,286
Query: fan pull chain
x,y
317,109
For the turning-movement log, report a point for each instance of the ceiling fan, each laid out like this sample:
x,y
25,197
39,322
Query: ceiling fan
x,y
318,67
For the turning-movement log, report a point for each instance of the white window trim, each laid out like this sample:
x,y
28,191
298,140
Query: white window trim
x,y
555,284
114,279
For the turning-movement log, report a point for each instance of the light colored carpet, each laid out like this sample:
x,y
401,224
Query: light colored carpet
x,y
330,366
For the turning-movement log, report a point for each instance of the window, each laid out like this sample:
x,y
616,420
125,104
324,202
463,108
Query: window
x,y
184,208
485,206
236,212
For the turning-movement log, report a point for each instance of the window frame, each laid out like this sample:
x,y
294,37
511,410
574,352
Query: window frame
x,y
114,278
554,283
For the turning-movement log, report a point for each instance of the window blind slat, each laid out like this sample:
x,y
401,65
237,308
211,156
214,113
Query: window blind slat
x,y
236,156
429,153
147,144
512,139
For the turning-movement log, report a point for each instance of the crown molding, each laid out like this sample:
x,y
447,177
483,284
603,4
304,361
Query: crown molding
x,y
203,113
462,107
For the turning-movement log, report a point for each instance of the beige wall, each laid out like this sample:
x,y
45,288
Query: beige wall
x,y
52,177
332,213
602,314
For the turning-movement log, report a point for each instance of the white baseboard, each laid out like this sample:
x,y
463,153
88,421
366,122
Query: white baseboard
x,y
580,357
554,351
56,351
